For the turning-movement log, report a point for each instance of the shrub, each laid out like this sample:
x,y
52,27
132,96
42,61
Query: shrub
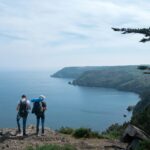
x,y
115,131
142,120
95,134
66,130
53,147
82,133
86,133
144,145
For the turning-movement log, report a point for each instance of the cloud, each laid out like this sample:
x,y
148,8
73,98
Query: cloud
x,y
47,29
11,37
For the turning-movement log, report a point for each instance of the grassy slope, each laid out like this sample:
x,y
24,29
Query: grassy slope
x,y
122,78
75,72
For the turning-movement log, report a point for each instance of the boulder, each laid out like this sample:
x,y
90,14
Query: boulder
x,y
133,132
133,136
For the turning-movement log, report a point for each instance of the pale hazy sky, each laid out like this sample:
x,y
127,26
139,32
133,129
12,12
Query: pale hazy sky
x,y
41,34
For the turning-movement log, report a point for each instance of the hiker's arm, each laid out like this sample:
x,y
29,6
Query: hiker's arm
x,y
45,107
28,104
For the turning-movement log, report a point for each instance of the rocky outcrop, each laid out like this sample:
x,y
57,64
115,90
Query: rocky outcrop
x,y
10,140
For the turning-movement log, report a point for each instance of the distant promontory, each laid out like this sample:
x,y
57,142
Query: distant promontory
x,y
73,72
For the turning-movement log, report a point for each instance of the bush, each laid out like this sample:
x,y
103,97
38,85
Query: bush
x,y
53,147
82,133
66,130
142,120
86,133
144,145
115,131
95,134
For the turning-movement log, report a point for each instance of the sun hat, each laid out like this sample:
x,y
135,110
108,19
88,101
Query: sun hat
x,y
42,97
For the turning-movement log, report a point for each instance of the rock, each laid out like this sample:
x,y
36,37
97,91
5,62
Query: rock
x,y
69,82
63,139
133,136
133,132
31,127
114,147
7,145
10,142
6,134
130,108
124,115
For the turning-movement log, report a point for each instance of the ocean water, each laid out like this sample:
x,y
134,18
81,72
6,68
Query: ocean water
x,y
68,105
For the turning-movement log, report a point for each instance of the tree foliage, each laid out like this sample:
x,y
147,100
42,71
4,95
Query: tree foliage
x,y
144,31
142,119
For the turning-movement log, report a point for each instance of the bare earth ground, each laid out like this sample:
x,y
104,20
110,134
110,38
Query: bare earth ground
x,y
10,141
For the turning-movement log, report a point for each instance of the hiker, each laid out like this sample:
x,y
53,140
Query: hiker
x,y
39,107
23,108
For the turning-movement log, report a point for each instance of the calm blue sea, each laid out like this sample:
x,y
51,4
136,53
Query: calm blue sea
x,y
68,105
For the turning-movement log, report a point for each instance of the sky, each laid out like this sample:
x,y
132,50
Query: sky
x,y
45,34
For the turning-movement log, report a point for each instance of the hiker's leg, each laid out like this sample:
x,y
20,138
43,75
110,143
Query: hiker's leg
x,y
24,124
37,124
18,122
42,122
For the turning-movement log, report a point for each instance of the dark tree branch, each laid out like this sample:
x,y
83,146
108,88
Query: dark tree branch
x,y
145,40
145,31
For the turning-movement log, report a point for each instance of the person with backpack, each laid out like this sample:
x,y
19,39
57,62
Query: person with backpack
x,y
23,108
39,107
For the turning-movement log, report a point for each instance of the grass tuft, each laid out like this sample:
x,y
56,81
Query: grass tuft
x,y
52,147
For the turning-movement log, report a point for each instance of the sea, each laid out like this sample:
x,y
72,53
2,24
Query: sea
x,y
67,105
